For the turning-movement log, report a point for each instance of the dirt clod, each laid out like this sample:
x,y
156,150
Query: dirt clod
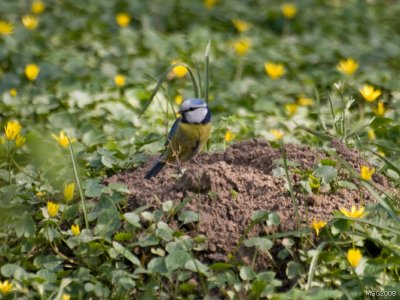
x,y
228,187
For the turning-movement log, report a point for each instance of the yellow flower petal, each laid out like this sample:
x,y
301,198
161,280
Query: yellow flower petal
x,y
75,229
6,28
179,71
240,25
228,136
369,93
277,134
366,172
347,66
289,10
209,4
274,70
20,141
241,46
12,130
32,71
52,208
62,139
5,287
30,22
69,191
119,80
354,257
318,225
354,212
37,7
123,19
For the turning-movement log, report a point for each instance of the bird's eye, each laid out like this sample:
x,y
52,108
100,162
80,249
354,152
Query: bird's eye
x,y
192,108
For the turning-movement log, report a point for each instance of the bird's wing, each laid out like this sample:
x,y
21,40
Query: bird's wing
x,y
173,130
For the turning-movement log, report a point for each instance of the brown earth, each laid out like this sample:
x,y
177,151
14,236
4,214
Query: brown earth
x,y
228,187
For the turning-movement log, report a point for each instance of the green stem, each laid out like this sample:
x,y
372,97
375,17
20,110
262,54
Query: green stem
x,y
78,181
294,202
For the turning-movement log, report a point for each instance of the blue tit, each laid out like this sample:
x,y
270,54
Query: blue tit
x,y
187,136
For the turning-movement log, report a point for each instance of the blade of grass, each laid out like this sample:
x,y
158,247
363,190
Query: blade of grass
x,y
313,265
198,73
78,182
207,70
161,81
285,166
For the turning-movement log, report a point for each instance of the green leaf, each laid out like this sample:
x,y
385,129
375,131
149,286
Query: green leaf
x,y
294,270
133,219
126,253
246,273
177,260
263,244
25,226
327,173
347,185
157,265
188,217
164,232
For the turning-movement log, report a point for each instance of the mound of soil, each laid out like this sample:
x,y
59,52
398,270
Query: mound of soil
x,y
228,187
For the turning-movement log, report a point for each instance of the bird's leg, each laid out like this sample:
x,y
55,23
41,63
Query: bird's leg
x,y
178,162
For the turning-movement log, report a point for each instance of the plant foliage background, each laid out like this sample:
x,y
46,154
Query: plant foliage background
x,y
93,72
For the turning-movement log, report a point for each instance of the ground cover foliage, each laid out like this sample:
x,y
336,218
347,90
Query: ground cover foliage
x,y
76,75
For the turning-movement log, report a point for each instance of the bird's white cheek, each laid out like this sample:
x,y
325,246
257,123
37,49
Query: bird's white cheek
x,y
196,116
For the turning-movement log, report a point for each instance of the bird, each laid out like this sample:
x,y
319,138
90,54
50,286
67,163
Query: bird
x,y
187,136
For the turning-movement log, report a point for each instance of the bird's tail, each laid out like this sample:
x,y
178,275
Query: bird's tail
x,y
155,169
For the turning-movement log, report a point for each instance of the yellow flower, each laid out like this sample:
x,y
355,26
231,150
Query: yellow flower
x,y
62,139
380,111
304,101
291,108
52,208
20,141
370,93
366,172
228,136
123,19
5,287
209,4
39,194
179,71
274,71
289,10
6,28
37,7
240,25
277,134
75,229
354,213
354,257
347,66
119,80
69,191
241,46
30,22
317,225
12,130
12,92
32,71
178,99
66,297
371,135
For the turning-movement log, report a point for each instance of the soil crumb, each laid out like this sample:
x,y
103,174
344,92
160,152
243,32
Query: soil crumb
x,y
228,187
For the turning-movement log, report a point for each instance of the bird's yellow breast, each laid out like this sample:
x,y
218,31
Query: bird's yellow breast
x,y
188,141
